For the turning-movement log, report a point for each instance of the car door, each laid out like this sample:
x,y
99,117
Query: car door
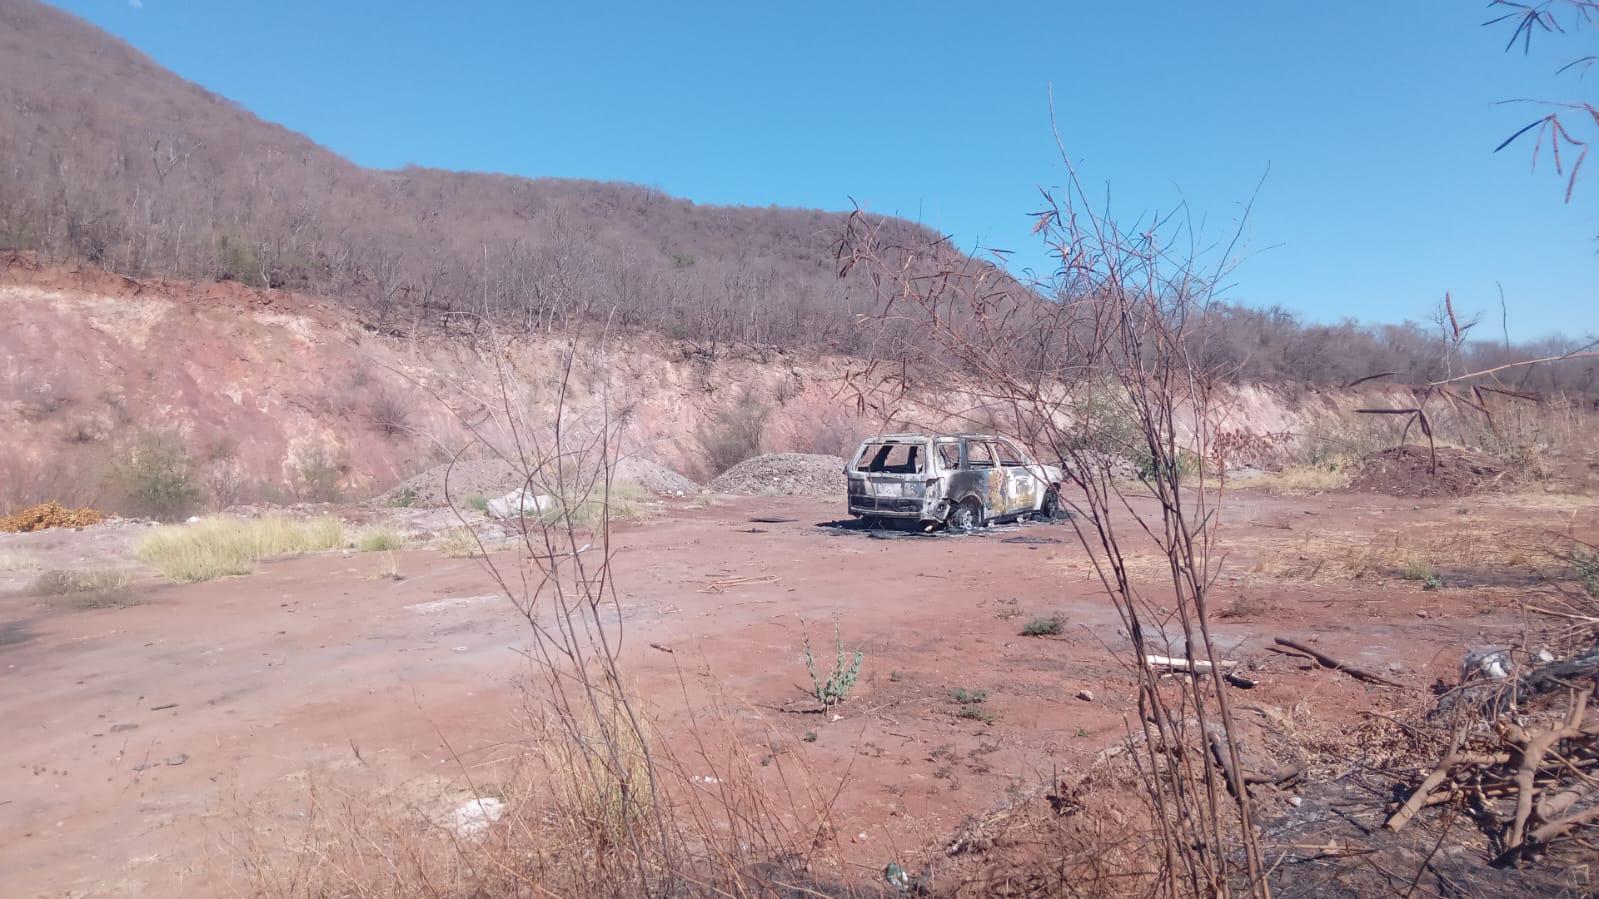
x,y
1023,490
988,477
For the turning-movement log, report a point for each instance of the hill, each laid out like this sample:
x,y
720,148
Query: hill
x,y
115,161
112,161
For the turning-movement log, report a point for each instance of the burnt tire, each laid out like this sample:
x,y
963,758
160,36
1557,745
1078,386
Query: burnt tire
x,y
968,516
1051,509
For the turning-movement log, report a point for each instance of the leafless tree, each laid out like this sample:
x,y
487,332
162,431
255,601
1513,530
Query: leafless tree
x,y
1103,364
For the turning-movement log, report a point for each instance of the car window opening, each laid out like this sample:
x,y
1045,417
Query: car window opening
x,y
978,455
891,458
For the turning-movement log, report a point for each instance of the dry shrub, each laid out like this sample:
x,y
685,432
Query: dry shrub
x,y
737,432
95,588
461,543
390,411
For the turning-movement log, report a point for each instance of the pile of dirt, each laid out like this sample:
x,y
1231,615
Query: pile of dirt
x,y
653,476
491,478
49,515
1416,471
784,474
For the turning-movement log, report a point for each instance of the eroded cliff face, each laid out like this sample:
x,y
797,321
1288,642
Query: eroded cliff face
x,y
276,396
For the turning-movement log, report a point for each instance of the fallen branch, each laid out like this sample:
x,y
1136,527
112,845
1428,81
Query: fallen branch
x,y
1235,784
1327,661
1279,776
728,583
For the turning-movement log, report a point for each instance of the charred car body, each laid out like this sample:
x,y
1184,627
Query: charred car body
x,y
962,480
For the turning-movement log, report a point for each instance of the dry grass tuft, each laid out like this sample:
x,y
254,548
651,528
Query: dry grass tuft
x,y
222,547
589,508
1330,474
382,538
461,543
95,588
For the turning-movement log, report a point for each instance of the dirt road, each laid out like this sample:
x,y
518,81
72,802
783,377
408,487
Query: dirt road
x,y
142,740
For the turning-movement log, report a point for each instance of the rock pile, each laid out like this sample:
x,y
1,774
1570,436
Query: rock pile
x,y
784,474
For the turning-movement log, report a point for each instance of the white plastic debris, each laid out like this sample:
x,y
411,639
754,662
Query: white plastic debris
x,y
1494,663
472,819
1200,665
520,504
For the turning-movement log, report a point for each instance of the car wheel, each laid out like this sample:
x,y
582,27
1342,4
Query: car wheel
x,y
1051,508
968,516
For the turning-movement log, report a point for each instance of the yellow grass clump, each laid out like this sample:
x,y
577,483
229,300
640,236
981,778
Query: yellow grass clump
x,y
220,547
382,538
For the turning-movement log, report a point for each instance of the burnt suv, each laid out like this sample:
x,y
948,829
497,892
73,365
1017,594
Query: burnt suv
x,y
962,480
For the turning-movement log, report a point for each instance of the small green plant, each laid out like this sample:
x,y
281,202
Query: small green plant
x,y
156,477
1432,582
406,497
477,502
835,688
318,475
1586,564
380,539
968,705
963,696
976,713
1051,626
810,736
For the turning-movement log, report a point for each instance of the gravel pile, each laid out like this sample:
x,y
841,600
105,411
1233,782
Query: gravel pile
x,y
654,477
784,474
484,477
492,478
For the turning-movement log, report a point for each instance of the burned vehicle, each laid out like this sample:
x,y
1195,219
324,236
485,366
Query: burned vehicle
x,y
963,481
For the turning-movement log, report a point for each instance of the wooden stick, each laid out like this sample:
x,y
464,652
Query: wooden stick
x,y
1235,784
1327,661
1281,775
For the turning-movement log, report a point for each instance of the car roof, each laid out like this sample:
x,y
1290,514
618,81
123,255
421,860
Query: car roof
x,y
889,438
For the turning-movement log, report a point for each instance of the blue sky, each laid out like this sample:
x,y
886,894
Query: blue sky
x,y
1376,120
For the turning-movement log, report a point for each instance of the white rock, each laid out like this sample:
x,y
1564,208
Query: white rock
x,y
472,819
1085,695
520,504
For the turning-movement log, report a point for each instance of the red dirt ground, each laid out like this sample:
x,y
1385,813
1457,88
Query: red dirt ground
x,y
139,736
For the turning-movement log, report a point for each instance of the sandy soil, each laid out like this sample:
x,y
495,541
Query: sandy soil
x,y
142,739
